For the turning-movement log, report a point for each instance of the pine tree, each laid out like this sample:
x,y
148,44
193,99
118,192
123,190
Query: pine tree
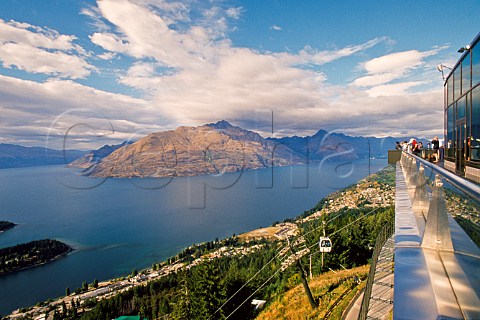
x,y
56,316
85,286
74,310
64,309
182,308
207,292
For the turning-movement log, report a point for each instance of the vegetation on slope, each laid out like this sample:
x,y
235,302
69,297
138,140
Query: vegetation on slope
x,y
334,291
30,254
465,211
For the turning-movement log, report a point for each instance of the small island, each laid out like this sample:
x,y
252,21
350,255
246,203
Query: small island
x,y
31,254
6,225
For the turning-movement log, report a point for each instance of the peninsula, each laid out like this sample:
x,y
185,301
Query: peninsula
x,y
6,225
31,254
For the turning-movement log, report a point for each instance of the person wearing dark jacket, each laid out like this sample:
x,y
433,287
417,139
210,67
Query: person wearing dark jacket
x,y
436,147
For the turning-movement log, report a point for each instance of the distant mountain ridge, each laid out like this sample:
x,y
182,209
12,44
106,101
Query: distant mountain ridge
x,y
208,149
15,156
323,144
94,156
221,147
189,151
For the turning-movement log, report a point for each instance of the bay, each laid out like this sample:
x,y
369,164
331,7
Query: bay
x,y
117,225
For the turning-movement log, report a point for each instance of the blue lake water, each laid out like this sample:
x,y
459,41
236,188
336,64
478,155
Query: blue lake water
x,y
118,225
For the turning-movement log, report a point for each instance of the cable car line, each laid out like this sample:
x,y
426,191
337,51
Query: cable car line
x,y
279,254
246,283
347,225
260,287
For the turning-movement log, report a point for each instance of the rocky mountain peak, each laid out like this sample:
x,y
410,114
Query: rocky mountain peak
x,y
222,124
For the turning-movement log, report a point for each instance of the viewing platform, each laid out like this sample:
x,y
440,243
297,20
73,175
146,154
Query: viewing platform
x,y
436,268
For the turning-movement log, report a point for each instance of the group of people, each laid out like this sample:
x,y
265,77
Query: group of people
x,y
416,148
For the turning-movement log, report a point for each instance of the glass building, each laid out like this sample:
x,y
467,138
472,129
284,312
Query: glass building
x,y
462,114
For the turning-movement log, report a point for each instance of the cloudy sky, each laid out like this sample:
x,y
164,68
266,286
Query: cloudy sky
x,y
85,73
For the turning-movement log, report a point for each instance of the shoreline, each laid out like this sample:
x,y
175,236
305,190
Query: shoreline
x,y
55,258
13,225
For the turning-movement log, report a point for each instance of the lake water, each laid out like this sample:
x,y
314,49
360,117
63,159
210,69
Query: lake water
x,y
118,225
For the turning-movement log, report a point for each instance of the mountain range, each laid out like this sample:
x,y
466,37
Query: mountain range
x,y
15,156
94,156
221,147
209,149
189,151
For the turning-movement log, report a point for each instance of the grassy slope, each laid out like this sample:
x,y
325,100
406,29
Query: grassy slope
x,y
335,291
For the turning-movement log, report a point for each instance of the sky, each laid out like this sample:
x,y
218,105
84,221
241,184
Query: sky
x,y
81,74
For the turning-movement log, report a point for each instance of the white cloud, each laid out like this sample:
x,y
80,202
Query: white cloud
x,y
276,28
72,105
327,56
41,50
143,34
234,13
27,34
171,11
35,60
393,89
107,55
210,79
395,67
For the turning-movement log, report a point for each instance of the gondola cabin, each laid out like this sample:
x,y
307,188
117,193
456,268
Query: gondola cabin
x,y
462,114
325,244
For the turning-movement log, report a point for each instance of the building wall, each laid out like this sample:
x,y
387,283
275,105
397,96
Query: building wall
x,y
462,109
473,174
449,165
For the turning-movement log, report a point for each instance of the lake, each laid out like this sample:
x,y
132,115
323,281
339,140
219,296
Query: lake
x,y
118,225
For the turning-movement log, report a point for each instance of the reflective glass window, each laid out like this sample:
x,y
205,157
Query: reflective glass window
x,y
466,74
468,104
445,96
461,105
457,83
474,140
450,90
450,130
475,52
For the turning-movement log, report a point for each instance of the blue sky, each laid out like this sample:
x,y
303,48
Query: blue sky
x,y
86,73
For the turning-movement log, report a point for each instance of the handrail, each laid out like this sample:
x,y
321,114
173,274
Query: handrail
x,y
465,186
386,232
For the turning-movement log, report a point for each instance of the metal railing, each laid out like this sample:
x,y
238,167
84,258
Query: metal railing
x,y
386,232
433,197
469,188
432,208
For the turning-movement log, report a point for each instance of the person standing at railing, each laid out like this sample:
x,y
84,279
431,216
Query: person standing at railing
x,y
412,145
436,147
417,148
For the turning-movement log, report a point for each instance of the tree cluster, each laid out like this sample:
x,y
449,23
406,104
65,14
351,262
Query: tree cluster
x,y
30,254
5,225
